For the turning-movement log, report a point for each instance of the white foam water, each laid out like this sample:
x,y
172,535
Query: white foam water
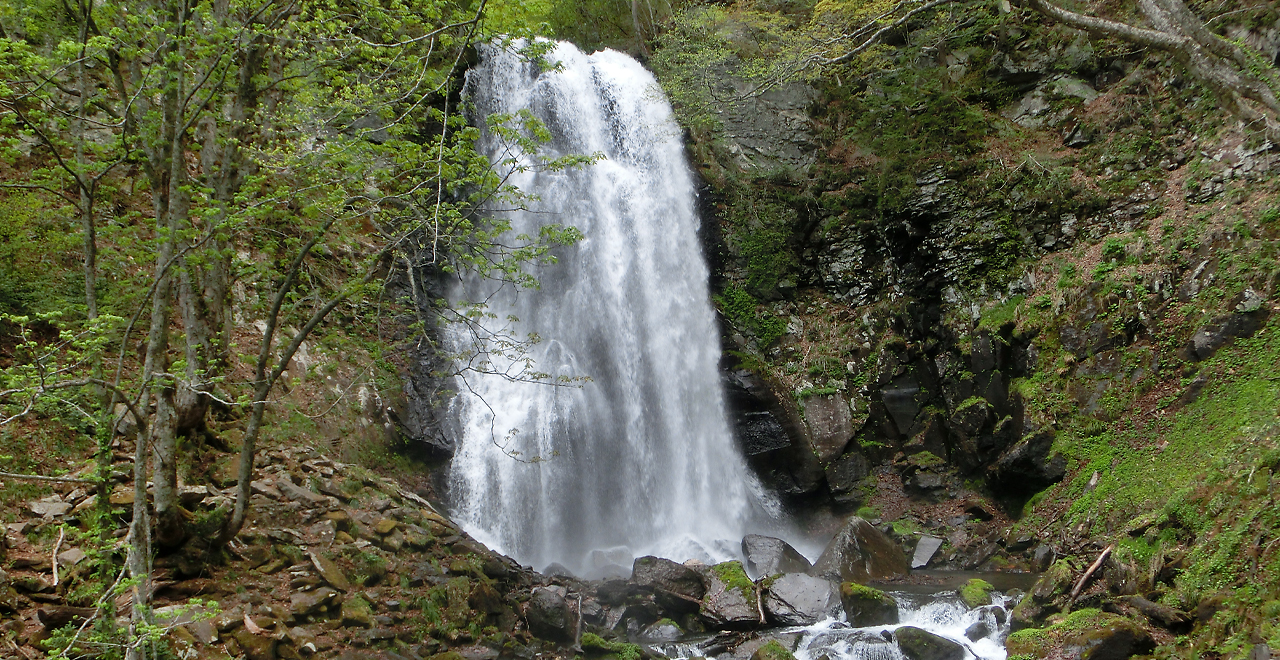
x,y
640,459
943,614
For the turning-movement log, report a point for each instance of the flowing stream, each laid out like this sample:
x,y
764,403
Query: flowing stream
x,y
639,459
981,631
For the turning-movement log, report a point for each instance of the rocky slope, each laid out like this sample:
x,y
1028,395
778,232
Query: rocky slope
x,y
1006,272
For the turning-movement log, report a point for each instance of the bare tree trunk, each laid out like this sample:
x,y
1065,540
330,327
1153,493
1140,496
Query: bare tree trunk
x,y
86,198
1223,66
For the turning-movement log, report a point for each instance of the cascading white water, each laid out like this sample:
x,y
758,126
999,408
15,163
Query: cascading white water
x,y
640,456
943,614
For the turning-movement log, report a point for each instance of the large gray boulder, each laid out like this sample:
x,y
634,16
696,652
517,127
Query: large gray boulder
x,y
548,614
730,600
765,555
860,553
918,644
663,574
796,599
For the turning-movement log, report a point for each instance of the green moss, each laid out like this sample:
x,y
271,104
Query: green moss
x,y
745,313
733,576
772,650
868,512
1001,314
595,645
862,592
976,593
925,460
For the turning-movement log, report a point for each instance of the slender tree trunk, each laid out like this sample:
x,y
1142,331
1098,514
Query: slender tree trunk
x,y
638,27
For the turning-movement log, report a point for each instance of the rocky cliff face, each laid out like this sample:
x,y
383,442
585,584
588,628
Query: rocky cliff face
x,y
935,311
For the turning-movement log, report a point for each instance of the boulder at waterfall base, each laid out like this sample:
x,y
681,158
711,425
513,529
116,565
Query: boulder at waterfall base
x,y
765,555
797,599
865,607
860,553
730,599
665,575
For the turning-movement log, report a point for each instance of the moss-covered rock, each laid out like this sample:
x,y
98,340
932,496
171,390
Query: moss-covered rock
x,y
1096,635
919,644
865,606
595,646
356,613
730,600
976,593
772,650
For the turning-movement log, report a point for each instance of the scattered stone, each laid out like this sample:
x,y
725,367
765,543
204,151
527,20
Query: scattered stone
x,y
190,496
53,618
483,598
1042,558
329,571
765,555
49,507
860,553
797,599
71,557
299,494
266,490
865,607
384,526
121,496
255,647
356,613
925,549
308,603
31,585
918,644
86,504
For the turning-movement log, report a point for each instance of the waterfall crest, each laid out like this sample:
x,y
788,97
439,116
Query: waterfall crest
x,y
639,459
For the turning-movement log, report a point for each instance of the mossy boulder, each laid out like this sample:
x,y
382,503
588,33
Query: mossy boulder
x,y
1089,634
773,650
919,644
1045,597
730,600
595,646
356,613
865,606
976,592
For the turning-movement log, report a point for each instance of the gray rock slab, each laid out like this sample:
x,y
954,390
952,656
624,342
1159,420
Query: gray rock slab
x,y
925,550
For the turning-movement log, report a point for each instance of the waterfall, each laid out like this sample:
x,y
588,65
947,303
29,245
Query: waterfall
x,y
639,459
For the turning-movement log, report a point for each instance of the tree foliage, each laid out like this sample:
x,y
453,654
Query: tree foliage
x,y
303,150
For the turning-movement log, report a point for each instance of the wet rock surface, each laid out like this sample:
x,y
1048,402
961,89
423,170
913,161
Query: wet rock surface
x,y
797,599
860,553
765,555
